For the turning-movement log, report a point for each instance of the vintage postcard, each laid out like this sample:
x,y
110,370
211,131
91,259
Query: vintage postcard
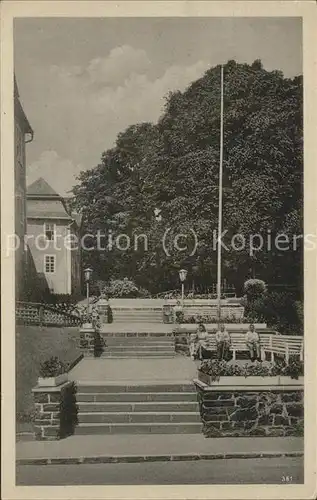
x,y
158,180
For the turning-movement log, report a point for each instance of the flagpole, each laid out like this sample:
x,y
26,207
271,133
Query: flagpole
x,y
220,202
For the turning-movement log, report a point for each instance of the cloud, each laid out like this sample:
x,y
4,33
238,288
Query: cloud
x,y
87,106
59,172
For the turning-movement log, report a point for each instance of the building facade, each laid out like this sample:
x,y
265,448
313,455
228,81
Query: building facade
x,y
23,134
53,238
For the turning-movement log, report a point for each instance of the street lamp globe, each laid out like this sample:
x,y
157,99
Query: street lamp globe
x,y
182,275
88,273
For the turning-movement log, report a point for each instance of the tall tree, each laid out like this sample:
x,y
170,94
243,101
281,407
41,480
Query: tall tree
x,y
173,167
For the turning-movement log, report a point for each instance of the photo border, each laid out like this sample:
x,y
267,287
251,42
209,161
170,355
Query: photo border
x,y
9,10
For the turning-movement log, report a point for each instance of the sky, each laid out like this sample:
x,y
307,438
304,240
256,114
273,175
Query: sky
x,y
82,81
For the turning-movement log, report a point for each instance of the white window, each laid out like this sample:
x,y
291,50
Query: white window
x,y
49,231
49,263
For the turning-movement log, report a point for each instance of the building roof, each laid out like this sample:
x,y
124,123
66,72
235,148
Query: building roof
x,y
44,203
19,111
40,188
44,208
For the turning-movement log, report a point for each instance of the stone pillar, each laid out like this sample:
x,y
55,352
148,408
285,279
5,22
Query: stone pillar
x,y
56,411
102,307
87,339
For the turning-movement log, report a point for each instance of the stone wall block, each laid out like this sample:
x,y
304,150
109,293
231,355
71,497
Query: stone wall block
x,y
276,408
295,409
292,397
51,407
246,401
245,414
54,397
280,420
41,397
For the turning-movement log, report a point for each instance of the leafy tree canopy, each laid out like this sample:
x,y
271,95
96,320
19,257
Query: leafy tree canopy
x,y
171,168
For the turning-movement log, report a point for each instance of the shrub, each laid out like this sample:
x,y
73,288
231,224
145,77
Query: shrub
x,y
52,367
68,411
279,310
109,315
125,288
216,369
294,368
254,288
98,345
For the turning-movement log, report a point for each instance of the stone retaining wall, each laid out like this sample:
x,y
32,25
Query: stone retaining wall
x,y
259,412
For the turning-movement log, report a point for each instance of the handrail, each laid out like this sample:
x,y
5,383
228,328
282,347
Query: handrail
x,y
30,312
49,307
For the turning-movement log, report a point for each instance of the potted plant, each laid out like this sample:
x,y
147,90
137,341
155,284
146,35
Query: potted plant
x,y
53,372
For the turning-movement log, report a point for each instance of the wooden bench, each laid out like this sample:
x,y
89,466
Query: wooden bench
x,y
281,345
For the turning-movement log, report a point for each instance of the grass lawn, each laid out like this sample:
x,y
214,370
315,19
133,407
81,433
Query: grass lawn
x,y
34,345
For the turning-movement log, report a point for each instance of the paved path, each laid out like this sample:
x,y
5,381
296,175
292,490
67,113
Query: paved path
x,y
256,471
135,370
154,445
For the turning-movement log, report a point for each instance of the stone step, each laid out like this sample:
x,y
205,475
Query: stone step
x,y
136,397
138,319
136,335
137,313
145,428
147,406
138,354
140,347
152,341
105,388
138,417
156,313
133,350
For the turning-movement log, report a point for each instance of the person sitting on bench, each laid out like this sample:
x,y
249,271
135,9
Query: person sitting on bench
x,y
252,341
197,341
223,342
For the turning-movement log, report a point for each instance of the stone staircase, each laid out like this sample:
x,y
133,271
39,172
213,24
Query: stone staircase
x,y
138,409
137,315
138,347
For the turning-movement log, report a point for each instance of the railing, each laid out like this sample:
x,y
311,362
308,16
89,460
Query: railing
x,y
206,292
32,313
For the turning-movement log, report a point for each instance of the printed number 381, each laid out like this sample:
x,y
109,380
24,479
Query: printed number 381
x,y
287,479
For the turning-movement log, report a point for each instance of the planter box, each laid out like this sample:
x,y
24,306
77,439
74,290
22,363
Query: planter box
x,y
52,381
249,381
283,380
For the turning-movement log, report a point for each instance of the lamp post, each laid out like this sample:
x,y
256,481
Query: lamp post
x,y
87,273
182,277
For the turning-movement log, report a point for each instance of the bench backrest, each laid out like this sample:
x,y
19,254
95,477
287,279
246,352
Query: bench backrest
x,y
270,342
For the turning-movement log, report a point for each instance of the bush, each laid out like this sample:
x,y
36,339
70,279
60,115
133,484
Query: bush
x,y
254,288
68,411
109,315
52,367
98,345
124,289
216,368
279,310
294,368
